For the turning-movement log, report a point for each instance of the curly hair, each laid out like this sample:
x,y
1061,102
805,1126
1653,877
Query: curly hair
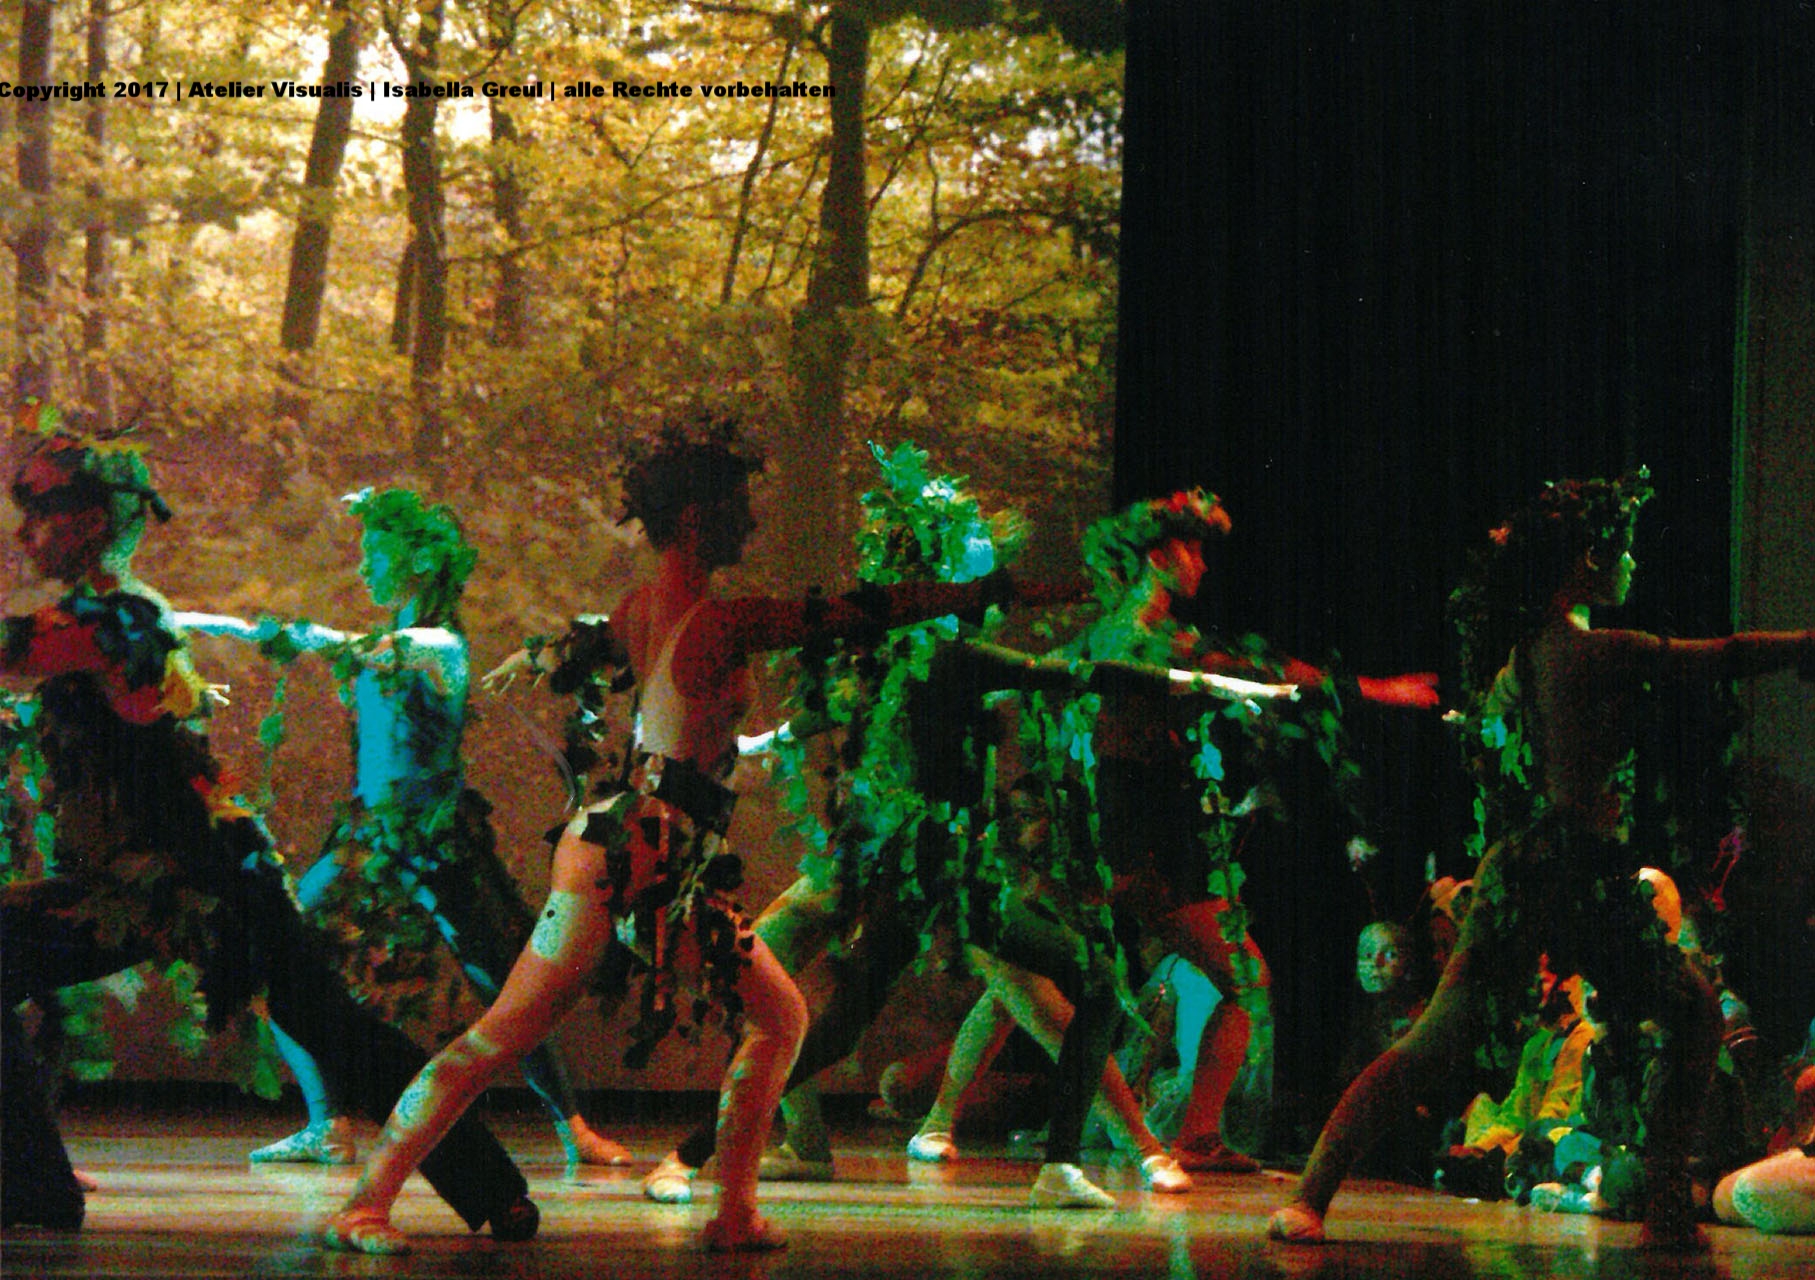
x,y
1513,576
694,461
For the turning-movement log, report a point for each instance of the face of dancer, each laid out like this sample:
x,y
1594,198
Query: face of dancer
x,y
1380,958
390,587
1610,576
724,529
64,545
1180,561
376,568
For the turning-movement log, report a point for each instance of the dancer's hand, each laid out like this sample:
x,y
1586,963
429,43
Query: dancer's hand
x,y
1416,689
505,674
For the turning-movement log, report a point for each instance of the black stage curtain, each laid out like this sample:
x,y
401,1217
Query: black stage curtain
x,y
1387,265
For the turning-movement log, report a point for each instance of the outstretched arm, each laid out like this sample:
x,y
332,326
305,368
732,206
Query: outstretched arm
x,y
1735,657
434,651
1025,671
758,624
1417,689
310,637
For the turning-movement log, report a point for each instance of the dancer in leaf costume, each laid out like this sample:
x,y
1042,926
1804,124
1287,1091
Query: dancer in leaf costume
x,y
913,845
1563,879
649,864
415,848
158,859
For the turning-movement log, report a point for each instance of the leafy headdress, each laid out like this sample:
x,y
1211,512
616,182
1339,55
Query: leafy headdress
x,y
1115,548
1512,578
926,527
918,526
414,550
70,469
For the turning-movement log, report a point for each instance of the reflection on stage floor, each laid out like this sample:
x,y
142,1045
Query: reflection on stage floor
x,y
177,1198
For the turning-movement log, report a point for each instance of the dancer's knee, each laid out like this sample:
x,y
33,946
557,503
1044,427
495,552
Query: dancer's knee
x,y
777,1009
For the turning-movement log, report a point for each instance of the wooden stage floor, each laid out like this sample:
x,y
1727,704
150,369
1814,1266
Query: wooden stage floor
x,y
179,1199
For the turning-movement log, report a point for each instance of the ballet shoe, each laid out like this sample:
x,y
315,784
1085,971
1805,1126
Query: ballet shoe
x,y
364,1231
586,1146
1215,1158
670,1182
1296,1224
1161,1173
1064,1186
935,1147
755,1234
324,1142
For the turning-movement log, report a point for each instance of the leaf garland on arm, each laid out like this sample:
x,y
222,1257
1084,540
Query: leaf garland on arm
x,y
27,831
870,839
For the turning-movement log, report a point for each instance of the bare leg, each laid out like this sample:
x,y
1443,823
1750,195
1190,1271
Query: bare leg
x,y
1195,933
797,927
986,1027
327,1138
775,1022
1392,1085
1039,1009
548,979
1675,1104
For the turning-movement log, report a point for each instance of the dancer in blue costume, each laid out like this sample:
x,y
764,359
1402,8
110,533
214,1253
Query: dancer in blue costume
x,y
157,858
415,832
648,864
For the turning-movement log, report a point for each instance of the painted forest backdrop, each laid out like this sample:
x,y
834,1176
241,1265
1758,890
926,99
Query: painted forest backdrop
x,y
287,295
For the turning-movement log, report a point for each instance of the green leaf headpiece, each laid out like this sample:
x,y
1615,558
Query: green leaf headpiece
x,y
920,526
1511,580
1115,548
413,550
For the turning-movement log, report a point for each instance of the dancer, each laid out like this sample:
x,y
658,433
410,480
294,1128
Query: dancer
x,y
1018,997
157,859
1565,882
914,846
416,838
1164,837
648,862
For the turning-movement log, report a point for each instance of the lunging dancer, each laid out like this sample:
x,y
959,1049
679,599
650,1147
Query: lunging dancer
x,y
1565,883
157,859
416,839
649,863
